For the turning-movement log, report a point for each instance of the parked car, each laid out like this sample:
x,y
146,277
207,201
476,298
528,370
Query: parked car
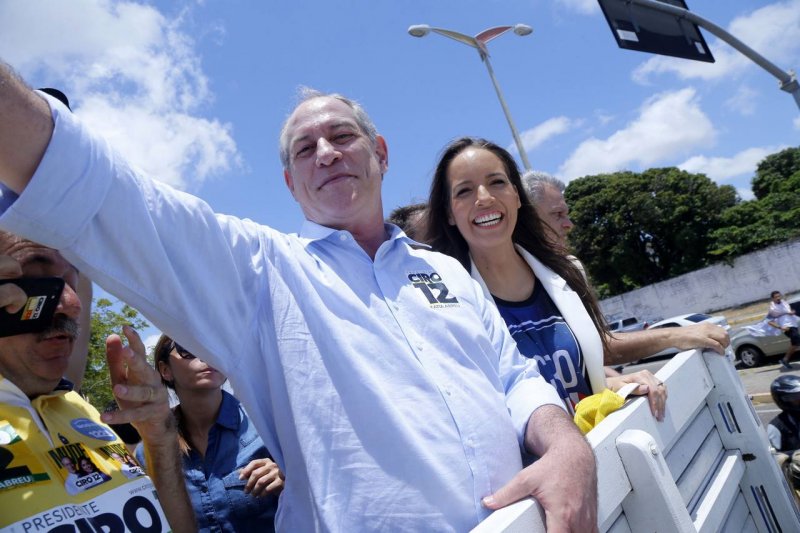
x,y
688,320
627,324
657,360
753,349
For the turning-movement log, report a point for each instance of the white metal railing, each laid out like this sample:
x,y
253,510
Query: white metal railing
x,y
707,467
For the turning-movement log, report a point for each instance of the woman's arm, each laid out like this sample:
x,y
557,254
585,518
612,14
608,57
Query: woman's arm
x,y
631,346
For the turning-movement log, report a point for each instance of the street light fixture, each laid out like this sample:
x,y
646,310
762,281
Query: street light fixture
x,y
478,42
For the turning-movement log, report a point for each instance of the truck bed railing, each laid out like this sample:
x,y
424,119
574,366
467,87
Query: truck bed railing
x,y
706,468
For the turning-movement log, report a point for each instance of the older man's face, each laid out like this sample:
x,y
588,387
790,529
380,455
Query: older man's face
x,y
68,464
35,362
335,171
554,212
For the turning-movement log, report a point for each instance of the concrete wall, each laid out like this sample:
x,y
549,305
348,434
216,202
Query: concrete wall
x,y
751,278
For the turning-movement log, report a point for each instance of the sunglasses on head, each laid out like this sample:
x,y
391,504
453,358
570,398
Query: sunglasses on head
x,y
183,352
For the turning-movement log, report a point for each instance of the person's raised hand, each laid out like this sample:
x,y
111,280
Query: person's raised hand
x,y
142,398
12,298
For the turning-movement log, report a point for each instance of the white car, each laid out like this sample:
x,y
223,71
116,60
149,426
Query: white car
x,y
689,320
657,360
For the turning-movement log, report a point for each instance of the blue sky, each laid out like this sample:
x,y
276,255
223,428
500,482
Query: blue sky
x,y
195,92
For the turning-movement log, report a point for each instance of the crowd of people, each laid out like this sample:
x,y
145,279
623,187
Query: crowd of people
x,y
389,380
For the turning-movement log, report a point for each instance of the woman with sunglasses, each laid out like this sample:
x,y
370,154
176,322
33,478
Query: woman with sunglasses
x,y
479,213
232,481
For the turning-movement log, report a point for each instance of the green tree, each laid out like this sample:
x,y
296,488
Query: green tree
x,y
106,319
634,229
772,217
773,172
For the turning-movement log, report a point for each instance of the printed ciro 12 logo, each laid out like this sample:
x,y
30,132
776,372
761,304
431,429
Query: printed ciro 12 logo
x,y
92,429
434,289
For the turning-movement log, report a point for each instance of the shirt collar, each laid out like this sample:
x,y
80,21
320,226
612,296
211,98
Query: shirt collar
x,y
228,416
311,231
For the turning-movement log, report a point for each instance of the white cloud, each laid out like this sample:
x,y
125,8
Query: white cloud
x,y
743,101
537,135
796,123
131,73
773,30
584,7
722,169
668,125
603,117
150,342
745,193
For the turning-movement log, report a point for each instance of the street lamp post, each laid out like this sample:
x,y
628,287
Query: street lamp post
x,y
788,80
479,43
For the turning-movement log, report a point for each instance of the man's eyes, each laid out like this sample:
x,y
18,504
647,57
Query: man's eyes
x,y
461,192
343,137
303,151
339,138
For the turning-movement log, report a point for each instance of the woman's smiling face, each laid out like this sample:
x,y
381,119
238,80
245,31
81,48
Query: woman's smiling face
x,y
483,202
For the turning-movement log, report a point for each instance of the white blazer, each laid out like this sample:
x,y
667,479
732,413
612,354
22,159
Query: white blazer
x,y
571,307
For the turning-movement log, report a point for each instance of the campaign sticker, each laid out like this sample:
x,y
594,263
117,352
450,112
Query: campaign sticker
x,y
33,308
87,427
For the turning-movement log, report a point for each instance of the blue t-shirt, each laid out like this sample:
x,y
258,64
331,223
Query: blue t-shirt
x,y
542,334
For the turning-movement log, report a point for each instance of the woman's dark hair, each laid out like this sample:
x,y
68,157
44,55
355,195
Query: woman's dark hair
x,y
161,352
79,466
530,232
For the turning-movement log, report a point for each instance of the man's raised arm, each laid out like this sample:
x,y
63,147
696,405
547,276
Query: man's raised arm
x,y
25,129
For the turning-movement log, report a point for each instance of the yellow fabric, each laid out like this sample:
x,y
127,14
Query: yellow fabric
x,y
593,409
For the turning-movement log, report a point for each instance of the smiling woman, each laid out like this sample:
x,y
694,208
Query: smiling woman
x,y
480,214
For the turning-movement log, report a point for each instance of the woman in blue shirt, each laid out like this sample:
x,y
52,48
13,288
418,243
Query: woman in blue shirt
x,y
479,214
232,481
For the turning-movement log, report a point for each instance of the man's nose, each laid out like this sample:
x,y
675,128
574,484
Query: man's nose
x,y
326,153
69,304
568,225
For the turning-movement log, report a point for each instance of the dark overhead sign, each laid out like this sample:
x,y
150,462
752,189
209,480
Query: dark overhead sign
x,y
637,27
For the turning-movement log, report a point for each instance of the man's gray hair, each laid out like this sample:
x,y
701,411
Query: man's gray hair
x,y
304,94
535,181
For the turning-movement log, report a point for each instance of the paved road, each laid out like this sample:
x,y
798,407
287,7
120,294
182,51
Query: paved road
x,y
757,381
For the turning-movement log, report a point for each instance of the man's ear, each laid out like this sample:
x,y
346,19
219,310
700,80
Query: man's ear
x,y
287,177
383,153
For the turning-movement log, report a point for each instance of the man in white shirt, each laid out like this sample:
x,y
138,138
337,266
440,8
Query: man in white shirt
x,y
386,386
782,317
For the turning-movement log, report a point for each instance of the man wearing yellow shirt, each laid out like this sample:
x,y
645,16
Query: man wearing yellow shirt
x,y
47,430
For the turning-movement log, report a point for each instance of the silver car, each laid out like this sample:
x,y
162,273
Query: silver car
x,y
627,324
